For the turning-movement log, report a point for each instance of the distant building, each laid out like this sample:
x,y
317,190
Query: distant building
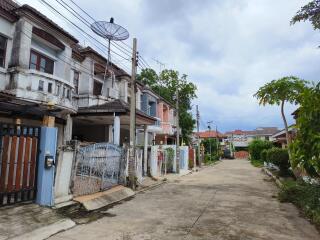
x,y
280,139
241,138
211,134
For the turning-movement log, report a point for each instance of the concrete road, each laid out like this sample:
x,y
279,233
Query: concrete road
x,y
230,201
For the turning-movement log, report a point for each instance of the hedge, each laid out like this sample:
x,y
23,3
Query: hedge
x,y
263,155
280,158
256,147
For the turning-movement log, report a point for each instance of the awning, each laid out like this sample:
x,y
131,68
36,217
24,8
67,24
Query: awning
x,y
104,114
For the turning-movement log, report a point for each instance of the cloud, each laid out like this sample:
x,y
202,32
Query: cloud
x,y
228,48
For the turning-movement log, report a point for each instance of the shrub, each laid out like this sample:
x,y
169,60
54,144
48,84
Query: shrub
x,y
256,147
213,158
305,149
280,158
303,195
263,155
169,153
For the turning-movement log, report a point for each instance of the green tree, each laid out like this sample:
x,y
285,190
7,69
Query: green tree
x,y
210,146
286,89
166,85
149,77
306,146
311,12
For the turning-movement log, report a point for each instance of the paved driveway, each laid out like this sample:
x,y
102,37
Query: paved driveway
x,y
231,200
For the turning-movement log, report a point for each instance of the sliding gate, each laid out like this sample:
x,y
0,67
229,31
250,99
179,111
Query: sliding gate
x,y
18,163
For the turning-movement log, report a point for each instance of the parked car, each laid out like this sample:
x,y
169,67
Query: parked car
x,y
227,154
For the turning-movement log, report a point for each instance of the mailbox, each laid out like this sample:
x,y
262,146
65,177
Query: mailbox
x,y
49,161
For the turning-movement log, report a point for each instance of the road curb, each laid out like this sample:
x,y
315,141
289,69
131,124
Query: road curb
x,y
275,178
47,231
153,186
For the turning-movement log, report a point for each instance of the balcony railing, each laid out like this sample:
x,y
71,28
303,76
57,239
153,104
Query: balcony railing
x,y
42,87
167,128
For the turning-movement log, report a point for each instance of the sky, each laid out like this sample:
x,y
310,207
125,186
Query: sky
x,y
228,48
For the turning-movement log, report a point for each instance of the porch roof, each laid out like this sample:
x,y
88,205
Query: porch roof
x,y
15,107
105,113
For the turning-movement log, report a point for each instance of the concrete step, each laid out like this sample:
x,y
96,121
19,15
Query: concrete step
x,y
105,198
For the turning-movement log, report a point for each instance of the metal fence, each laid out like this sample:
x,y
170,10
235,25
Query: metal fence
x,y
98,167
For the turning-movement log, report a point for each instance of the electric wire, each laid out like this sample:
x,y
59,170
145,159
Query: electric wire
x,y
115,44
45,3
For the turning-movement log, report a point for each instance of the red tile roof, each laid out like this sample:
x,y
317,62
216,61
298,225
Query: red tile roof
x,y
236,132
209,134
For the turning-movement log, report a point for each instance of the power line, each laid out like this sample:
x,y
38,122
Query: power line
x,y
145,62
66,57
115,44
84,69
76,26
82,10
88,24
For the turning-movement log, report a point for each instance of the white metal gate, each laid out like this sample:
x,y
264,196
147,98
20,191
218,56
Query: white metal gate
x,y
98,167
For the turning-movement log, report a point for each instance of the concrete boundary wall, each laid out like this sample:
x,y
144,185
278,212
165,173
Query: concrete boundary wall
x,y
156,157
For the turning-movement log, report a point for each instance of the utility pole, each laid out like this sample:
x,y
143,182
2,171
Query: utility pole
x,y
217,139
198,143
178,133
209,127
132,145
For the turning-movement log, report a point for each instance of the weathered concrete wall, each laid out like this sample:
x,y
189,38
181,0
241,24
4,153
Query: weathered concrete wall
x,y
63,176
6,30
21,44
154,160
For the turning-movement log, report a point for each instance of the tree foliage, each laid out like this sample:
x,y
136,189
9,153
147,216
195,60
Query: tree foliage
x,y
306,146
286,89
210,142
277,92
166,84
310,12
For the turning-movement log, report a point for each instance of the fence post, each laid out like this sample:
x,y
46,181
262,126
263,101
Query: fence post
x,y
45,181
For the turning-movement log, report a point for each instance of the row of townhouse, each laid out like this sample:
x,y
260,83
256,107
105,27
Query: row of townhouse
x,y
47,78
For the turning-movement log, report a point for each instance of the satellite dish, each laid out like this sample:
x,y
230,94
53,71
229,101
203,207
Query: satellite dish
x,y
111,32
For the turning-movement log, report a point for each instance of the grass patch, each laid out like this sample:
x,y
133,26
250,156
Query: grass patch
x,y
208,162
305,196
256,163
